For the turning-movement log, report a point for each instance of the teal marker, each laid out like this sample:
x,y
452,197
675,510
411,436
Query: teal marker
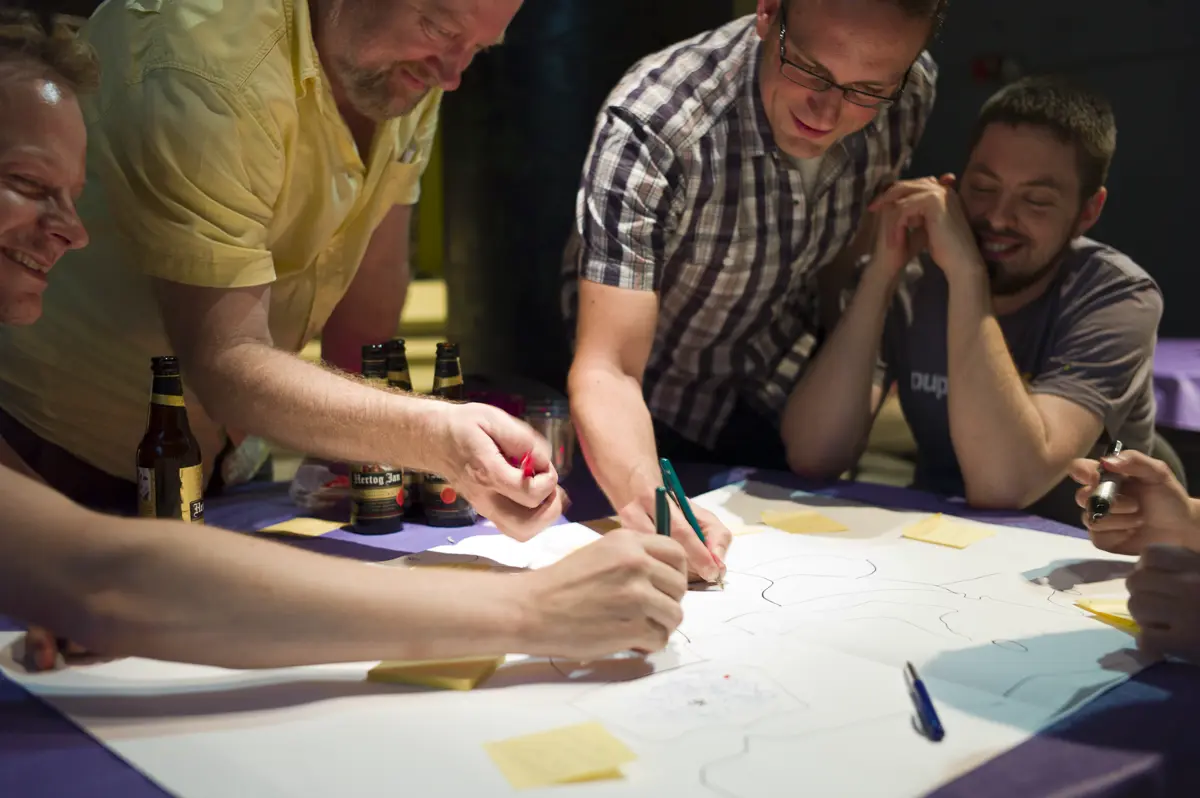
x,y
672,483
662,512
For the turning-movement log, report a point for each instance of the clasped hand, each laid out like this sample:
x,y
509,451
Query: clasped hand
x,y
925,215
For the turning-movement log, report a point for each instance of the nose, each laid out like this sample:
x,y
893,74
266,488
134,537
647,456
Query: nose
x,y
65,227
826,107
449,67
1001,214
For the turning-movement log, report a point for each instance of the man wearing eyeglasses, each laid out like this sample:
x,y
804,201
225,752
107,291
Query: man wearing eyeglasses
x,y
727,174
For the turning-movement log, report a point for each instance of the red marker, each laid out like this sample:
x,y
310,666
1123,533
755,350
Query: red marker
x,y
527,465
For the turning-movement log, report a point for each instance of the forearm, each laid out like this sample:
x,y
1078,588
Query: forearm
x,y
615,430
369,313
999,437
828,415
354,325
166,591
267,392
342,343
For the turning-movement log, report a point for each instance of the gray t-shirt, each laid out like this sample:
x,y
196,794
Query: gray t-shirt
x,y
1089,338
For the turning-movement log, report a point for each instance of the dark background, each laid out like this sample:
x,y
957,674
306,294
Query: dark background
x,y
516,133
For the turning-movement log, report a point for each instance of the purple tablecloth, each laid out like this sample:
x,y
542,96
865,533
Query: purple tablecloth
x,y
1141,739
1177,383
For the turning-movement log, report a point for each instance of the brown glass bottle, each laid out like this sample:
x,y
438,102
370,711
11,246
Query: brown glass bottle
x,y
398,377
170,473
376,490
397,365
441,504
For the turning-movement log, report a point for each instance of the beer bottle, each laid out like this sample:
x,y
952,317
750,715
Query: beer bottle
x,y
170,474
397,365
376,490
398,377
441,503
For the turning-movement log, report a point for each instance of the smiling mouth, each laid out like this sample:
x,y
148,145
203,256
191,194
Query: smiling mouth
x,y
809,130
413,81
25,260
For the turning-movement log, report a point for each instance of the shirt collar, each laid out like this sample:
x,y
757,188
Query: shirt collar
x,y
757,138
306,64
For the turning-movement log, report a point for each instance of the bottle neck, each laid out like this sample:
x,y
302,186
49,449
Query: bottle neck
x,y
167,410
448,380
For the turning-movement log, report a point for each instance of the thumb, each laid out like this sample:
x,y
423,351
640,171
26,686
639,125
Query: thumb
x,y
948,180
634,516
514,438
1085,472
1140,467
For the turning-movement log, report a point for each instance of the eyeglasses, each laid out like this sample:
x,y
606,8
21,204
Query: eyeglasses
x,y
814,82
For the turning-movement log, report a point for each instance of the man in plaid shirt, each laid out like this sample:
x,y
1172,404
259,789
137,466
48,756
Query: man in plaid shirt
x,y
727,174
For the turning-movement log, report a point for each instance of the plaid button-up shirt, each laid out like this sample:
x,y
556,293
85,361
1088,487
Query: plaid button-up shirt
x,y
685,193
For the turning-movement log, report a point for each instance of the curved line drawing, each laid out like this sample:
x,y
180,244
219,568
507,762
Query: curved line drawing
x,y
1006,643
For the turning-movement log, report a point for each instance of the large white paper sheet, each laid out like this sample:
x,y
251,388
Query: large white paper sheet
x,y
787,681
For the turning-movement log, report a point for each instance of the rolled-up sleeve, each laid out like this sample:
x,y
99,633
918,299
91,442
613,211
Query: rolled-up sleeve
x,y
625,207
192,175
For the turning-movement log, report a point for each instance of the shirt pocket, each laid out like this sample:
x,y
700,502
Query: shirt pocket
x,y
400,183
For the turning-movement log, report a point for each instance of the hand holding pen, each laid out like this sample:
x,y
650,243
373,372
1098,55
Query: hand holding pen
x,y
702,535
1129,501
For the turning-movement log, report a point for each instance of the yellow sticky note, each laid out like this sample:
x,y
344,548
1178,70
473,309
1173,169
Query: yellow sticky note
x,y
944,532
602,525
1112,611
304,527
801,522
585,752
454,674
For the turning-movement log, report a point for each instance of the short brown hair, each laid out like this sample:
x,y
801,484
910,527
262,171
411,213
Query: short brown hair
x,y
1075,115
48,44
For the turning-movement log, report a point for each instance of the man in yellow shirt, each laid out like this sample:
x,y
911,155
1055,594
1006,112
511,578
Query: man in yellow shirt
x,y
252,168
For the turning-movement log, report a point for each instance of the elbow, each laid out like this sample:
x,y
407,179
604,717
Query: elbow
x,y
812,464
990,495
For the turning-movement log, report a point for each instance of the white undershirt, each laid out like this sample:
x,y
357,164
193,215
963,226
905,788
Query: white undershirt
x,y
810,170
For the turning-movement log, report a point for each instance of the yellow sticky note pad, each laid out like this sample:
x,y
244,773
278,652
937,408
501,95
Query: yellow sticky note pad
x,y
942,531
585,752
1114,612
303,527
801,522
455,674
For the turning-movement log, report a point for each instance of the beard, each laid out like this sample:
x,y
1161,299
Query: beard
x,y
370,92
1005,282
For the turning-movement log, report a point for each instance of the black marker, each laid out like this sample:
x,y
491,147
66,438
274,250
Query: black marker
x,y
1102,498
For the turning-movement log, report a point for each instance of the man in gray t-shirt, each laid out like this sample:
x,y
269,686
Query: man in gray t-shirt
x,y
1088,339
1021,344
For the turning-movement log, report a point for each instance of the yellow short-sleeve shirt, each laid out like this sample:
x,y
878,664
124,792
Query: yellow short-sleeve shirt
x,y
216,157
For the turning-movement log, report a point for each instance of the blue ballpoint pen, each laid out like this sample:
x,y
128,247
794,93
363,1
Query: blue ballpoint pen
x,y
931,725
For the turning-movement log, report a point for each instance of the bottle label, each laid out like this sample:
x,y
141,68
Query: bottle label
x,y
169,400
145,485
191,494
377,492
399,378
442,504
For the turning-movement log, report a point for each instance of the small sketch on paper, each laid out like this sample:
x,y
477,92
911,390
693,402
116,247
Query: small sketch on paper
x,y
700,696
